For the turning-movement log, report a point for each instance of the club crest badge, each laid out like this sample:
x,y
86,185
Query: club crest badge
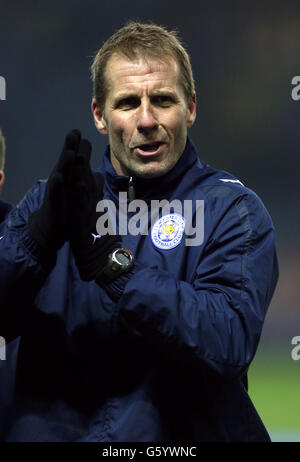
x,y
167,231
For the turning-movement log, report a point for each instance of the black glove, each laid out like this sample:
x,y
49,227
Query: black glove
x,y
48,225
84,190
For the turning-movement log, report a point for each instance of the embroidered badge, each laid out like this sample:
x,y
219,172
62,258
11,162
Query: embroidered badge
x,y
167,231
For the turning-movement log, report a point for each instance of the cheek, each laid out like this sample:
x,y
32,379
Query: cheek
x,y
121,127
176,122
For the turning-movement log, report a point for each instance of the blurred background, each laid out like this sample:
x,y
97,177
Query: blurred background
x,y
244,56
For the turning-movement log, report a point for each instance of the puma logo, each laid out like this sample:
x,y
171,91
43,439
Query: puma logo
x,y
96,236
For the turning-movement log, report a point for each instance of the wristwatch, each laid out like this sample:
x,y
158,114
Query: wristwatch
x,y
119,261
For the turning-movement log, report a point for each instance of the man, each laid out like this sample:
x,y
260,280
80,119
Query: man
x,y
129,336
4,206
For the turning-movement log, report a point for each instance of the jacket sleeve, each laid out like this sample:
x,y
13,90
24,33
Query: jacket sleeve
x,y
216,319
22,269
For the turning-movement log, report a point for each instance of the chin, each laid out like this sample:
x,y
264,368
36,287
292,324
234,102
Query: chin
x,y
151,172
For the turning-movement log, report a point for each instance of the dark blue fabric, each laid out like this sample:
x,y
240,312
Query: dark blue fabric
x,y
168,360
5,208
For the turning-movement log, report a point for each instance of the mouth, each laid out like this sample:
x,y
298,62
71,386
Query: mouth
x,y
149,149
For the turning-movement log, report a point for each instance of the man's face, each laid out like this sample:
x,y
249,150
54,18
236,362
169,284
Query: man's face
x,y
146,115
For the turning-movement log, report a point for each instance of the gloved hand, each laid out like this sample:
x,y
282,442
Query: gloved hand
x,y
84,189
48,225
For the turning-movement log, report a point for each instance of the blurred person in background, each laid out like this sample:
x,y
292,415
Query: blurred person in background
x,y
7,366
4,206
136,336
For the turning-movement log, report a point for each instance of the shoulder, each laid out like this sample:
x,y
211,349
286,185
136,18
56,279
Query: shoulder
x,y
226,196
217,183
35,194
31,201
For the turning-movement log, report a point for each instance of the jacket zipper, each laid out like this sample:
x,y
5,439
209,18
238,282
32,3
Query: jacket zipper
x,y
131,190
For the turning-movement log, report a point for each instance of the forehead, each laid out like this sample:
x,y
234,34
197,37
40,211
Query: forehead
x,y
122,73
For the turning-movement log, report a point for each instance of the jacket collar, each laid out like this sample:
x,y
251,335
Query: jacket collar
x,y
150,188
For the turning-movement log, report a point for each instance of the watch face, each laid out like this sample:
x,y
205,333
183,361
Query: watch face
x,y
122,258
119,261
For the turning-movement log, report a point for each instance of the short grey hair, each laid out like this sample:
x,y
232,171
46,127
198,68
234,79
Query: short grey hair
x,y
136,40
2,151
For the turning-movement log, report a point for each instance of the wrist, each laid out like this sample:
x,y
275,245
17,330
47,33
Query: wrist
x,y
47,236
116,288
119,261
91,255
38,252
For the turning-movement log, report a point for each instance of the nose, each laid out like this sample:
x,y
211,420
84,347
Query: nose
x,y
146,118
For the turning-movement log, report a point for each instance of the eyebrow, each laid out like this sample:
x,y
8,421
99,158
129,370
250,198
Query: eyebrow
x,y
133,94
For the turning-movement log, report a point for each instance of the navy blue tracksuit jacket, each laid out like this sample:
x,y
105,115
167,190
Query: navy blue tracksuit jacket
x,y
163,354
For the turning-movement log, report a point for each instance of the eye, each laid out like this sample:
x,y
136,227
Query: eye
x,y
128,103
163,100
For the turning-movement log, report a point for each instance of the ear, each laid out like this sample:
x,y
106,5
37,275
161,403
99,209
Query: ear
x,y
2,176
98,118
191,112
